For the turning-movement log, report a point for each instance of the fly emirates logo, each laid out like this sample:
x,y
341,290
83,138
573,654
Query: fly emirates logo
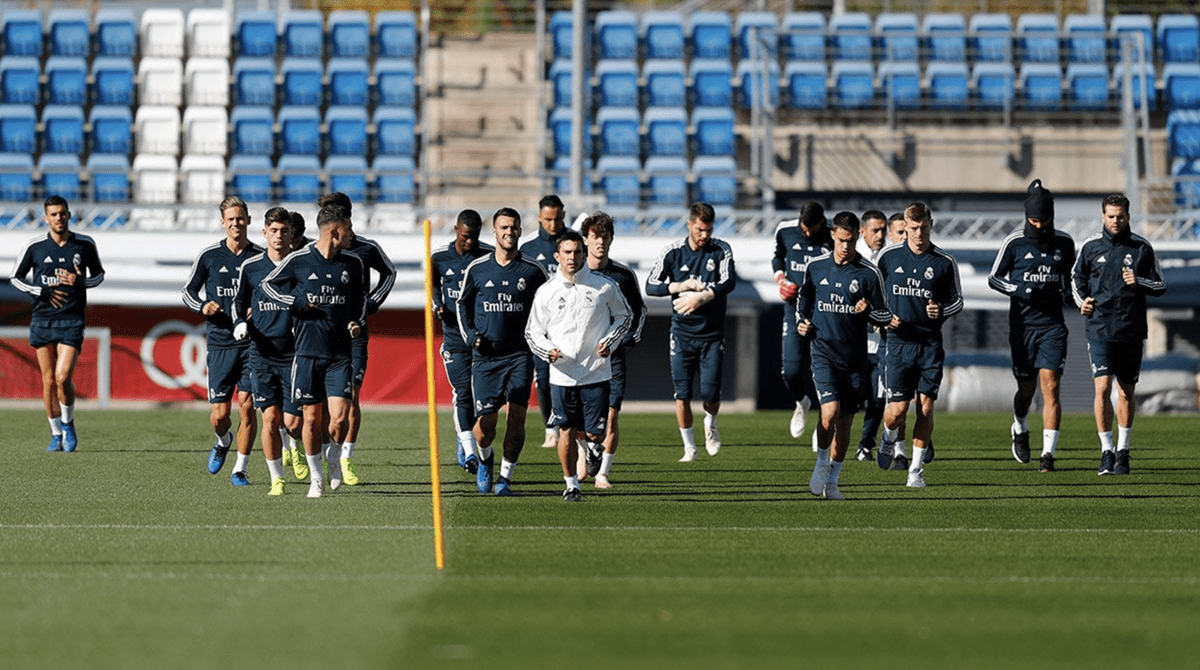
x,y
912,288
327,296
504,303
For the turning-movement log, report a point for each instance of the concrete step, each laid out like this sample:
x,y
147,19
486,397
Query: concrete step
x,y
478,116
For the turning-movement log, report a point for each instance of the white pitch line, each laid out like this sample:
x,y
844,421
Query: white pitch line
x,y
592,529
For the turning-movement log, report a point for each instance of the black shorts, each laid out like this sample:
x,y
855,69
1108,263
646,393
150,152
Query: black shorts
x,y
315,379
616,385
272,383
228,368
43,332
836,383
1038,349
358,358
499,381
689,357
910,368
581,407
1122,360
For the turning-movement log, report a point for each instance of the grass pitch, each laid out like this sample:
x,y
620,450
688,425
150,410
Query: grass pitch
x,y
127,554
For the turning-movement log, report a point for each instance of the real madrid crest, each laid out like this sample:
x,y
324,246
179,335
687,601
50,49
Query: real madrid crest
x,y
854,286
345,277
928,273
711,265
521,284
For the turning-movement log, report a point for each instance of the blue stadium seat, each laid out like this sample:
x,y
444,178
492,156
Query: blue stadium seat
x,y
1084,34
803,36
254,81
394,182
1181,85
1136,78
619,131
712,83
299,130
991,37
1041,86
348,81
1129,24
663,35
112,81
619,179
62,129
618,85
299,178
21,32
252,131
18,129
806,85
16,177
396,35
617,35
301,81
1179,38
116,33
250,178
560,78
256,33
898,36
348,174
1187,183
1037,35
716,180
395,131
20,80
560,131
349,34
1183,134
561,39
750,78
756,32
945,37
948,88
851,36
666,182
346,128
666,132
900,83
66,81
1087,86
993,84
59,175
666,83
303,34
109,177
111,129
395,83
562,181
711,33
70,33
713,131
853,84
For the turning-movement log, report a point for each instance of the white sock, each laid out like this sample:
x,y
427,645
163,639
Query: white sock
x,y
1049,441
68,413
1106,441
899,448
314,467
710,421
917,460
283,438
55,425
1123,437
606,462
294,445
242,461
572,482
485,453
890,434
225,440
332,452
347,449
467,439
689,440
275,467
506,468
823,455
816,442
1020,424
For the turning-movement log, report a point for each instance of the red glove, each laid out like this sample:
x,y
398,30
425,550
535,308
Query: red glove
x,y
787,290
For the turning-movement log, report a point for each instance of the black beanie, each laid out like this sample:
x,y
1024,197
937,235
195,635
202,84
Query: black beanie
x,y
1040,203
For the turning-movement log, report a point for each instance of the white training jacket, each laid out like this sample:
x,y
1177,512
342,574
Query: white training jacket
x,y
575,317
874,341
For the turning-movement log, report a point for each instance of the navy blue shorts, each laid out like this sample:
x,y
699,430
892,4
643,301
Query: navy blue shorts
x,y
910,368
1038,349
56,331
498,381
272,384
1122,360
315,379
581,407
837,383
228,368
358,358
691,357
616,385
458,371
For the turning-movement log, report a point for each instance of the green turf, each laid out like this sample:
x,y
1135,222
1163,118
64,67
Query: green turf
x,y
128,554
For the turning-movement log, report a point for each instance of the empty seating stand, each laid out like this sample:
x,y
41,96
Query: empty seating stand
x,y
58,174
208,33
1179,38
1085,38
662,33
666,132
256,34
757,35
666,83
21,33
945,37
948,85
349,34
117,34
805,84
1181,85
803,37
851,36
898,36
69,32
396,35
66,81
1037,35
112,81
251,178
991,37
711,34
303,34
62,129
617,35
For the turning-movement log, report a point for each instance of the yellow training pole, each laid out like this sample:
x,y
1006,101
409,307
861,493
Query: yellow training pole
x,y
439,546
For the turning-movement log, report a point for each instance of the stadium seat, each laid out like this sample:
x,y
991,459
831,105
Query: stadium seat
x,y
207,81
712,83
1087,86
1187,183
993,85
750,76
619,131
349,34
562,180
617,35
805,84
1181,85
1084,34
619,180
156,129
757,34
111,129
1136,78
299,178
346,130
395,34
991,37
1179,38
160,81
256,33
945,37
851,36
666,83
1037,35
202,179
254,81
162,33
803,36
302,78
62,129
20,80
66,81
109,177
713,131
900,83
618,85
59,175
252,131
303,34
853,84
348,174
70,33
1128,25
1041,86
898,36
560,131
948,85
205,130
561,38
666,132
21,31
349,80
208,33
711,33
18,129
112,81
1183,134
300,130
560,78
393,179
154,179
395,83
395,131
663,35
116,33
666,182
16,177
716,180
250,178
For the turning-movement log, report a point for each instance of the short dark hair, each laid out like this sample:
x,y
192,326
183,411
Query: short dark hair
x,y
568,236
551,201
702,212
469,218
874,215
812,214
898,216
509,212
918,211
55,201
297,224
599,221
337,198
277,215
331,214
846,221
1114,200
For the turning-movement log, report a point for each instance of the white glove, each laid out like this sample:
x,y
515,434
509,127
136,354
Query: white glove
x,y
690,301
692,284
239,331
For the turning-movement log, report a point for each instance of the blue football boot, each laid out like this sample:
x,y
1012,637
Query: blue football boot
x,y
504,488
483,478
216,459
55,443
471,465
69,439
239,479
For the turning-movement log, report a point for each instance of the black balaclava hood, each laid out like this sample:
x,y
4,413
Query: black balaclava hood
x,y
1039,205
